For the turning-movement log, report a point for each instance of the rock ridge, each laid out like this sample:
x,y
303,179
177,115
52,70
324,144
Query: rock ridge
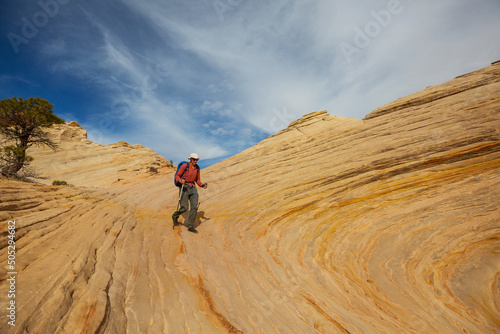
x,y
81,162
313,117
309,125
489,75
384,225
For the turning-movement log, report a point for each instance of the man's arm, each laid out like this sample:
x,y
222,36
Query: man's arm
x,y
198,180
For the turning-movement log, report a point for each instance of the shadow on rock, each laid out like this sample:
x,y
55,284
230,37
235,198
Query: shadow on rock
x,y
200,218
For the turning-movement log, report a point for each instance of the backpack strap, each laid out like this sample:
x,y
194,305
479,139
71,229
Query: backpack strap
x,y
185,170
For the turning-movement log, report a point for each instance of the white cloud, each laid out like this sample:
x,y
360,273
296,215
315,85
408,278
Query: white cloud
x,y
209,124
9,79
222,132
186,76
212,106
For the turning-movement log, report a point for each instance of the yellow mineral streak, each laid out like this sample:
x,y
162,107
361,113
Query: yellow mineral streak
x,y
389,224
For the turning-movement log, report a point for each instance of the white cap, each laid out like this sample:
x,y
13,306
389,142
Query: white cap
x,y
194,156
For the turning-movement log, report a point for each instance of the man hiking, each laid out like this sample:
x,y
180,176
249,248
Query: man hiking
x,y
187,175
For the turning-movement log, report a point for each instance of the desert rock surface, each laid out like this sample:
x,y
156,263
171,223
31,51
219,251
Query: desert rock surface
x,y
390,224
82,162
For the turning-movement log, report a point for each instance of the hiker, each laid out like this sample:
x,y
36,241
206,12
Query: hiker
x,y
187,175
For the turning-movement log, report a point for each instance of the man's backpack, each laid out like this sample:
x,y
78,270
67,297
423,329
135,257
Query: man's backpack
x,y
178,184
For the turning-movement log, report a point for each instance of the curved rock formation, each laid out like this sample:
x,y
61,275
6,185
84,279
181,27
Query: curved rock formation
x,y
82,162
384,225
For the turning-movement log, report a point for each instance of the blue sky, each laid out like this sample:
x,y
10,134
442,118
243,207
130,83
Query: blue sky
x,y
217,76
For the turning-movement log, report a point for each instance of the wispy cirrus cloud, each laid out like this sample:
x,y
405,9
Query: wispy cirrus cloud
x,y
216,77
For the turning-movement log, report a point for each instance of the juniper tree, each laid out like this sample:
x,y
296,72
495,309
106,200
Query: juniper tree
x,y
21,123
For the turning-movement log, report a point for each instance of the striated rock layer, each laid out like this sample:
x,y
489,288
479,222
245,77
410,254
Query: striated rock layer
x,y
384,225
82,162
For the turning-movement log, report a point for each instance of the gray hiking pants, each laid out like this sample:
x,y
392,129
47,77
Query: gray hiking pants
x,y
189,194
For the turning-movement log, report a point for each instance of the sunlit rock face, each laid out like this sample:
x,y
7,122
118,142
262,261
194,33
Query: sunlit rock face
x,y
384,225
82,162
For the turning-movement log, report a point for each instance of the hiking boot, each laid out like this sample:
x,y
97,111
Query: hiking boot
x,y
192,229
176,223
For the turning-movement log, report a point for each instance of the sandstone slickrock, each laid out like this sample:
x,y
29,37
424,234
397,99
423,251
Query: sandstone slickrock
x,y
384,225
82,162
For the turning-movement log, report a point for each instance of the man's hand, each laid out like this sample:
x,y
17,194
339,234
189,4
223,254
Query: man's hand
x,y
183,181
205,186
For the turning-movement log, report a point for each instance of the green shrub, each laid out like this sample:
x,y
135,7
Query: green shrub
x,y
59,183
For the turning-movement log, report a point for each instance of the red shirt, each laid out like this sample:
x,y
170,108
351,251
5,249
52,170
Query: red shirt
x,y
191,176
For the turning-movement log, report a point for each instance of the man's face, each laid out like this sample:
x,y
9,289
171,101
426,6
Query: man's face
x,y
193,161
